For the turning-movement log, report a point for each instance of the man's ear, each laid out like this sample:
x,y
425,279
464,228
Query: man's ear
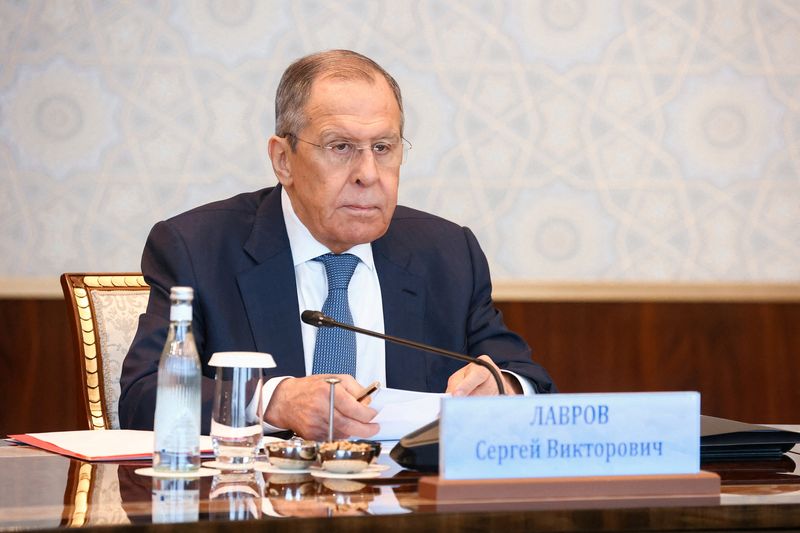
x,y
278,149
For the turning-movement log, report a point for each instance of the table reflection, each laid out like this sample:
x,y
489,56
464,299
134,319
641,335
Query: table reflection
x,y
41,490
175,500
784,470
303,496
236,495
249,495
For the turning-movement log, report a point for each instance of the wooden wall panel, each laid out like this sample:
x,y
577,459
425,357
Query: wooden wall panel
x,y
38,371
743,357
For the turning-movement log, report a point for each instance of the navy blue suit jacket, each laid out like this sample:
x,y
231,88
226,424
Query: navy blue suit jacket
x,y
434,282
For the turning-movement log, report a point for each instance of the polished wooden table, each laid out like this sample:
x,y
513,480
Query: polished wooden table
x,y
39,490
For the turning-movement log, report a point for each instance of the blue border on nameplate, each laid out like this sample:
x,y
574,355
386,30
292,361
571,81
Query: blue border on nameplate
x,y
561,435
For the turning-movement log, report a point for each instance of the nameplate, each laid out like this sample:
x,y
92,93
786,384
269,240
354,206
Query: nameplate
x,y
555,435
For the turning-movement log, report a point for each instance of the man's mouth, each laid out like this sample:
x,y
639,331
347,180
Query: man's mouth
x,y
361,208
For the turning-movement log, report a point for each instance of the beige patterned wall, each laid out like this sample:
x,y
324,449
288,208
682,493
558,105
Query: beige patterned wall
x,y
581,140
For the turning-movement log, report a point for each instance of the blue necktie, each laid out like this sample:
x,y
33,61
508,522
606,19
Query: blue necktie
x,y
335,351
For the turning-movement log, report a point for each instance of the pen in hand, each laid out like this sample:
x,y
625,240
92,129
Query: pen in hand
x,y
371,388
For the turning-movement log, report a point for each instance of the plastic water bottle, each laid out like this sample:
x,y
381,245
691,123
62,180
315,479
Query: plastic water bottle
x,y
177,418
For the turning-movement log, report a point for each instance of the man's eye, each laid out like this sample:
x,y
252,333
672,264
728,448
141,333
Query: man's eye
x,y
341,148
382,148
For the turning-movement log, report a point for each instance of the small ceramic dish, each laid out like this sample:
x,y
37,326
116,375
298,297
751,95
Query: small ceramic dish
x,y
374,445
294,454
345,457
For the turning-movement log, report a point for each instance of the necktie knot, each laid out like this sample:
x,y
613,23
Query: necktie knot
x,y
339,269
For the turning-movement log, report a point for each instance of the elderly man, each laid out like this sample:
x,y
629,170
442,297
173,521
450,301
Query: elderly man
x,y
330,236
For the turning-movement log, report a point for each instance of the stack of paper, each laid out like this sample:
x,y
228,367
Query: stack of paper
x,y
401,412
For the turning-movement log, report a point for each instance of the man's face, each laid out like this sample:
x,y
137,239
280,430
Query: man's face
x,y
344,205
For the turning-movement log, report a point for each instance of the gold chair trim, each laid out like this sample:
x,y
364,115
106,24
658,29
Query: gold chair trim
x,y
115,281
89,340
98,415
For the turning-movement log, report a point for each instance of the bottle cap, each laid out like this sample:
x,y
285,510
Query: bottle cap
x,y
181,293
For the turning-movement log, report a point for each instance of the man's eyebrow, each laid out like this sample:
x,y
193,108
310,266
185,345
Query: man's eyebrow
x,y
335,136
340,134
326,134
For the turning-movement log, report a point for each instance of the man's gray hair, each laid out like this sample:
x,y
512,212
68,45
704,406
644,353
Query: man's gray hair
x,y
294,88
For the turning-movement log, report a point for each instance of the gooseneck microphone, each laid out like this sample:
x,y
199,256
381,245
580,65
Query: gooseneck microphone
x,y
316,318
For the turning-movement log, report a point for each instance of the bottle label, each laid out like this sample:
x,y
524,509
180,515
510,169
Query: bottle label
x,y
183,434
177,422
180,312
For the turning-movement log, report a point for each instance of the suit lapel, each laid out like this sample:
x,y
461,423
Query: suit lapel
x,y
269,292
403,295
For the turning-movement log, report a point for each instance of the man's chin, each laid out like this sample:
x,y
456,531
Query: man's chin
x,y
364,235
367,238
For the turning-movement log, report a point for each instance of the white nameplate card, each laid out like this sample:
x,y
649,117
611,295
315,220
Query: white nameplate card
x,y
555,435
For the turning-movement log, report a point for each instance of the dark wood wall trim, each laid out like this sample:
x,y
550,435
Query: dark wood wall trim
x,y
743,357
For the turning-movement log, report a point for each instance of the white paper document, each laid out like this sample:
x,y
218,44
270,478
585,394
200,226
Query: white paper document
x,y
100,445
400,411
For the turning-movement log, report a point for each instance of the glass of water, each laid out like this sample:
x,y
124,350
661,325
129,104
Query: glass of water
x,y
236,430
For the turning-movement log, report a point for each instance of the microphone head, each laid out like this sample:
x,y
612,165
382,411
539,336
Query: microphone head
x,y
314,318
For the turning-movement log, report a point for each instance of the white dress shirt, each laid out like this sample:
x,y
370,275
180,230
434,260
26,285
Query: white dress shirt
x,y
364,295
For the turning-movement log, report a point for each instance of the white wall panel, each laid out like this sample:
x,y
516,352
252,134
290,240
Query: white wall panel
x,y
586,141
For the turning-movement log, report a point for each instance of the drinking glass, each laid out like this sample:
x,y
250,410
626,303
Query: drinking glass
x,y
236,430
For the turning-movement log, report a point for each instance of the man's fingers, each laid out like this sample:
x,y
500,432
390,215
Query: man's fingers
x,y
510,383
470,381
466,380
303,405
473,380
455,380
347,405
348,383
345,427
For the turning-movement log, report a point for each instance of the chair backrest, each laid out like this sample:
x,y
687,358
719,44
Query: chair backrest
x,y
105,309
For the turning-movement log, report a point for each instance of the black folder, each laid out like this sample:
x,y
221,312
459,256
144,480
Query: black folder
x,y
728,440
720,440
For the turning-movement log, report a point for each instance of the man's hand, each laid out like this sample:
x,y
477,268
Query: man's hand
x,y
302,405
475,380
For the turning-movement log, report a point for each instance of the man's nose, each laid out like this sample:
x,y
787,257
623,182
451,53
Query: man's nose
x,y
365,169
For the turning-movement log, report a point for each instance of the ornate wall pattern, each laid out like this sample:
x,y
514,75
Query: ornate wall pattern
x,y
581,140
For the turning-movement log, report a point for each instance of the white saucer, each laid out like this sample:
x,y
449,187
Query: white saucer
x,y
364,474
203,472
374,467
270,469
228,466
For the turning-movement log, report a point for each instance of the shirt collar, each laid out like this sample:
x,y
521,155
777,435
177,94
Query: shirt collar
x,y
305,247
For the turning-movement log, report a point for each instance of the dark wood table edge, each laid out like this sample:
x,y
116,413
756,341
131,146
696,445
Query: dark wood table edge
x,y
711,518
